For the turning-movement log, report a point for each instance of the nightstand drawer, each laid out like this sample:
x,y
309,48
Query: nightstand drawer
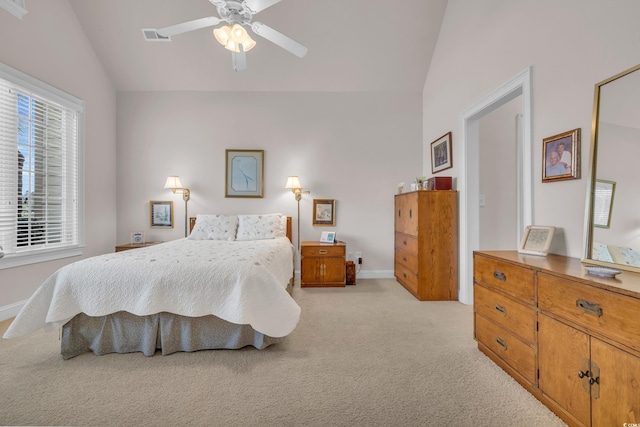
x,y
518,318
318,250
511,279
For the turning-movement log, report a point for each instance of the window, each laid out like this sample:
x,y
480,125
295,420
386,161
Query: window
x,y
40,155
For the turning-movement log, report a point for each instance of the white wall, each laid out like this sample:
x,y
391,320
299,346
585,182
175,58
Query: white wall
x,y
571,46
50,45
351,147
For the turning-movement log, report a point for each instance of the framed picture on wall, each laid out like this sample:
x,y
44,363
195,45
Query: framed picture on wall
x,y
561,156
324,212
161,214
244,173
441,153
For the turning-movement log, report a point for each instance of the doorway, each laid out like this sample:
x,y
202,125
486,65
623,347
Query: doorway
x,y
469,172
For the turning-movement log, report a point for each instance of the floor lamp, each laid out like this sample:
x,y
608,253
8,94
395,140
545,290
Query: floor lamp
x,y
173,182
293,184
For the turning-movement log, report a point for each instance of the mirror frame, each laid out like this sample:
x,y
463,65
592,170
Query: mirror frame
x,y
591,181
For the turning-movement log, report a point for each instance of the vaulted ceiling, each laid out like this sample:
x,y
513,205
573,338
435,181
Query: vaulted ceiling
x,y
354,45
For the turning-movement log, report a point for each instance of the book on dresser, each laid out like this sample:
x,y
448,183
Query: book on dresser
x,y
426,244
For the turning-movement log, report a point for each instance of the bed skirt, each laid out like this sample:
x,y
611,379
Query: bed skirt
x,y
123,332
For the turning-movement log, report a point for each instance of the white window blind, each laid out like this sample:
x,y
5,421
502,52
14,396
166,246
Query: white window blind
x,y
40,154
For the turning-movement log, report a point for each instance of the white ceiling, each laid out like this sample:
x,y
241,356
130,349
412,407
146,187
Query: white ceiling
x,y
354,45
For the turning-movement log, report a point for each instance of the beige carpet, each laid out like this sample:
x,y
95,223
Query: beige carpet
x,y
365,355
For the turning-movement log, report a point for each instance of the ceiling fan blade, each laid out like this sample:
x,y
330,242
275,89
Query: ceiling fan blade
x,y
184,27
255,6
278,38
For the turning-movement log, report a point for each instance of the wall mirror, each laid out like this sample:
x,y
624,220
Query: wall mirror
x,y
612,224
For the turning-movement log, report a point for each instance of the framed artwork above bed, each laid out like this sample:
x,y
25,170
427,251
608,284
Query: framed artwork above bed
x,y
244,173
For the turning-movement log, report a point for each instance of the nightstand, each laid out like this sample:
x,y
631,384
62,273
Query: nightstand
x,y
322,264
128,246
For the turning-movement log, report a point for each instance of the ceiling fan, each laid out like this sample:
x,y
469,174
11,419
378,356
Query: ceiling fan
x,y
237,15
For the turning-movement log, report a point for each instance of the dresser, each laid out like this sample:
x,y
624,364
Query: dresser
x,y
129,246
323,264
572,339
426,243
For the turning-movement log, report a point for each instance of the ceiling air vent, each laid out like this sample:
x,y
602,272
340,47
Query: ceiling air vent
x,y
15,7
151,35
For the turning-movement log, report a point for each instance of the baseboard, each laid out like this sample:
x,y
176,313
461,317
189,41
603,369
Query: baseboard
x,y
366,274
11,310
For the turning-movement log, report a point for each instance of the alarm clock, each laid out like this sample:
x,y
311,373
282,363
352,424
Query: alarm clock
x,y
137,238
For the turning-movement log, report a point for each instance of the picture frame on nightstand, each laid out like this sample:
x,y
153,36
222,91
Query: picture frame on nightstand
x,y
137,238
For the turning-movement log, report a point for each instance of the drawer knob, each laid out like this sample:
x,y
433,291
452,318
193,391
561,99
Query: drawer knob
x,y
500,309
501,343
499,275
404,258
589,307
404,242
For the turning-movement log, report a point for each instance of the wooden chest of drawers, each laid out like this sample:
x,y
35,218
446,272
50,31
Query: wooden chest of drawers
x,y
426,244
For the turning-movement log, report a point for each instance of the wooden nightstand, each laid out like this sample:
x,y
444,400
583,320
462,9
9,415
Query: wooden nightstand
x,y
322,264
128,246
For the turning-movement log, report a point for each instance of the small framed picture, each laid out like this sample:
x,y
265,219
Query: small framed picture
x,y
441,153
245,173
561,156
161,214
137,238
603,202
328,237
537,240
324,212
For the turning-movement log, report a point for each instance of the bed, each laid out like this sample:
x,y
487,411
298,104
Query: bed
x,y
226,286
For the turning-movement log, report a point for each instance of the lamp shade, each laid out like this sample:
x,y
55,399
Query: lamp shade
x,y
232,37
173,182
293,183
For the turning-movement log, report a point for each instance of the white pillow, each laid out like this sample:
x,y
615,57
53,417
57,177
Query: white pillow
x,y
260,227
214,227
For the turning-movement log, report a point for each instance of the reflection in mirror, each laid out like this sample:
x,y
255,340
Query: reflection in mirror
x,y
612,231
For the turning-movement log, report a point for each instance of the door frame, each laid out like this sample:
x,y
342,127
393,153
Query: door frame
x,y
469,172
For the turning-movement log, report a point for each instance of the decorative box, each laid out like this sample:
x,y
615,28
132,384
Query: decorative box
x,y
439,183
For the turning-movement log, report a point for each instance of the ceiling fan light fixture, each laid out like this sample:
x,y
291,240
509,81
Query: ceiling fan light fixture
x,y
233,36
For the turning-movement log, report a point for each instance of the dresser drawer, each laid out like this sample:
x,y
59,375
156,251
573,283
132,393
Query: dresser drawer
x,y
507,346
318,250
408,278
514,316
407,259
406,242
511,279
600,311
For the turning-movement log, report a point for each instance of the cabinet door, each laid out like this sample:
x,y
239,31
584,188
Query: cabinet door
x,y
334,270
407,213
563,352
311,268
617,394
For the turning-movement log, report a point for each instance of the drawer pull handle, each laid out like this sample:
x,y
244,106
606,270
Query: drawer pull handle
x,y
410,213
589,307
404,275
404,258
499,275
501,309
322,251
501,343
404,242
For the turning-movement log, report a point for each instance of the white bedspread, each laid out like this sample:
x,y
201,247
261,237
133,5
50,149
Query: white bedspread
x,y
241,282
